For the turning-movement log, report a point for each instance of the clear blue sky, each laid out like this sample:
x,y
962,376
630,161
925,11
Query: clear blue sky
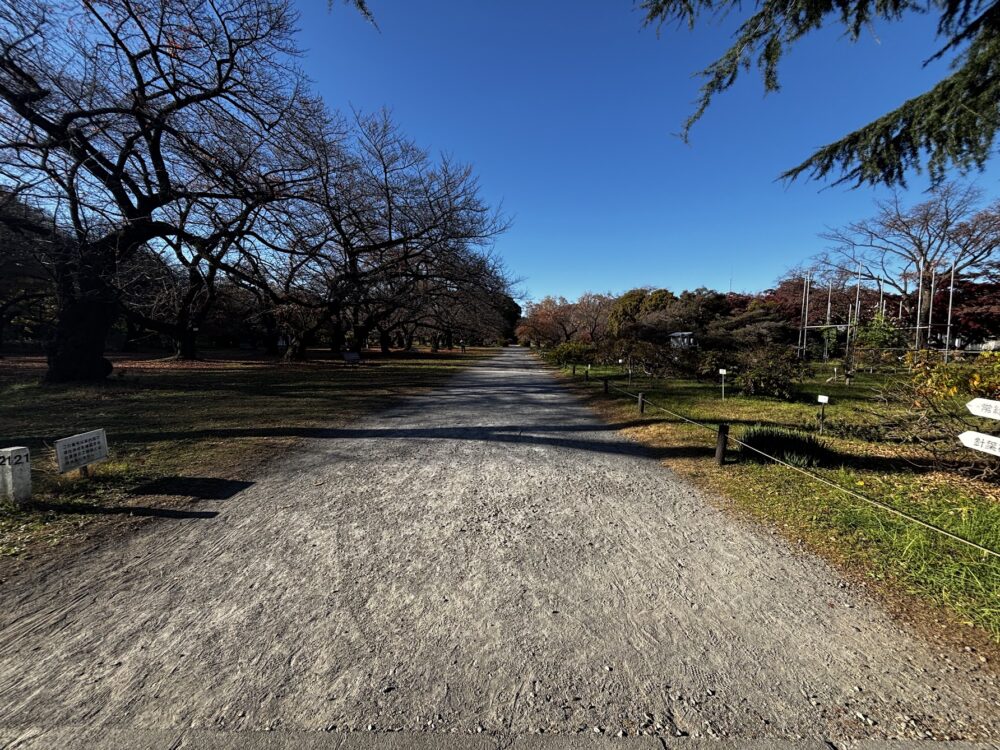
x,y
567,110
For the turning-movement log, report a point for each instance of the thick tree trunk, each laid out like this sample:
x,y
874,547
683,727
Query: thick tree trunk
x,y
271,338
76,351
186,344
360,337
385,341
408,341
449,340
338,337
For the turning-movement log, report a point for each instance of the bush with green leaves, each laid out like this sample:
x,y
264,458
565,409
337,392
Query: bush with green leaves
x,y
571,353
797,448
769,371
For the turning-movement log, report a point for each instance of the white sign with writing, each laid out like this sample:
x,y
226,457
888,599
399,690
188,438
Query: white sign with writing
x,y
981,442
984,407
81,450
823,399
722,372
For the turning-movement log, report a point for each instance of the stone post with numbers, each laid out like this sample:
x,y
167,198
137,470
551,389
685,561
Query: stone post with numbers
x,y
15,474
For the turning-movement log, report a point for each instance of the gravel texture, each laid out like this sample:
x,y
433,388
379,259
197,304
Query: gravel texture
x,y
486,559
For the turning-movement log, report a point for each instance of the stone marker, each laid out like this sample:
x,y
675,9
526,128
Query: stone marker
x,y
15,474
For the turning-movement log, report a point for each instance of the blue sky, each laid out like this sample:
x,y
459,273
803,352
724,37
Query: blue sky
x,y
568,110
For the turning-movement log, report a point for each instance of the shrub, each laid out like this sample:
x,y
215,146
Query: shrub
x,y
934,395
769,371
797,448
572,352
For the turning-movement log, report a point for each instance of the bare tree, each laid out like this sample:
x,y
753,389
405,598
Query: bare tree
x,y
906,249
149,111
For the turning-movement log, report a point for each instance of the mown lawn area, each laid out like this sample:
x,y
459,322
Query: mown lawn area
x,y
894,554
224,417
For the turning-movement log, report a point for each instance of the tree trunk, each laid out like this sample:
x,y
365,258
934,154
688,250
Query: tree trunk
x,y
271,338
86,309
76,351
132,331
338,337
924,313
360,337
385,341
449,341
186,344
297,350
408,341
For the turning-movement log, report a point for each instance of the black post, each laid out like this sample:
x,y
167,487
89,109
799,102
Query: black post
x,y
642,404
574,368
586,375
720,445
605,385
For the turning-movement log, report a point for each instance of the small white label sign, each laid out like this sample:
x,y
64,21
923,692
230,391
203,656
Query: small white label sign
x,y
979,441
984,407
81,450
823,399
722,372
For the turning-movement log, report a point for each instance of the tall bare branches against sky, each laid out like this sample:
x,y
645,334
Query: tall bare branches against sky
x,y
570,112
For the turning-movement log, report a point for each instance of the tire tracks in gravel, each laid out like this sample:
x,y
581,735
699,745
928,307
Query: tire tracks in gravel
x,y
487,557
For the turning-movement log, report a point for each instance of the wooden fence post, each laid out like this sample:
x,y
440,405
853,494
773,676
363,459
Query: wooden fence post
x,y
574,368
642,404
605,379
720,445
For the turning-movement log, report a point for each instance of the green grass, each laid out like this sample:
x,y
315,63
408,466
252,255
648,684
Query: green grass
x,y
897,555
216,418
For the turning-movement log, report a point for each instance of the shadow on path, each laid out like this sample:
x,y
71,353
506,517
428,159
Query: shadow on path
x,y
82,509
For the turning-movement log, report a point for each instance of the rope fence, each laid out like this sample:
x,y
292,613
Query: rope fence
x,y
723,437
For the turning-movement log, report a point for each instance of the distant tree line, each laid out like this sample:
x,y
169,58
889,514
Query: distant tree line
x,y
883,288
166,170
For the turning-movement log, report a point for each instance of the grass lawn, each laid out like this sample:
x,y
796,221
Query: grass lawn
x,y
218,418
894,554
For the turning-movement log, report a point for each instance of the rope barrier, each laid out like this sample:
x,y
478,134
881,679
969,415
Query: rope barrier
x,y
816,477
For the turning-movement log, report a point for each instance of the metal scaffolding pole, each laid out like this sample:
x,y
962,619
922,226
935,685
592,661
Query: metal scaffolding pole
x,y
805,320
951,297
930,311
802,317
826,338
857,314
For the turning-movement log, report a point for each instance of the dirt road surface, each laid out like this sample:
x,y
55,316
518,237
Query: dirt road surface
x,y
475,566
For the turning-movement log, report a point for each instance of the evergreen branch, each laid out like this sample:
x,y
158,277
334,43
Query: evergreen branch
x,y
953,124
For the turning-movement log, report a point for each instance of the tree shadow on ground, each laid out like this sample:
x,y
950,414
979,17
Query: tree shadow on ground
x,y
84,509
545,435
200,488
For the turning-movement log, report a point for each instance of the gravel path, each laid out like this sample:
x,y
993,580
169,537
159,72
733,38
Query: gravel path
x,y
487,557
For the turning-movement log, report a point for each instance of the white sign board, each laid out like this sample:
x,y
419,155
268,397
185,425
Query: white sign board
x,y
983,407
823,399
722,372
81,450
981,442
